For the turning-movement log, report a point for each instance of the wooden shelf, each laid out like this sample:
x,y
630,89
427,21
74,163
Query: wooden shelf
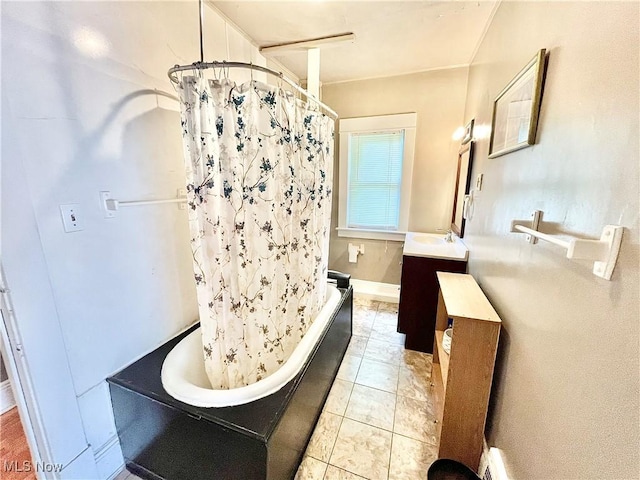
x,y
464,298
443,357
467,372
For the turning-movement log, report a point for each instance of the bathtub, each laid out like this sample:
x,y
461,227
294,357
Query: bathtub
x,y
185,379
262,436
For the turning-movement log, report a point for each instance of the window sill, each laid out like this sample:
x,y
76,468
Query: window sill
x,y
371,234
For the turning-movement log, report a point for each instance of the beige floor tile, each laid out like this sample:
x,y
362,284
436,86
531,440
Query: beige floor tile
x,y
324,436
386,333
349,368
338,397
410,459
388,307
363,322
383,351
359,301
364,315
415,384
311,469
387,318
415,419
371,406
361,330
357,345
417,361
380,375
360,446
363,450
335,473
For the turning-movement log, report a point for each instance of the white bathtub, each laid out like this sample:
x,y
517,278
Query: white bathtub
x,y
185,379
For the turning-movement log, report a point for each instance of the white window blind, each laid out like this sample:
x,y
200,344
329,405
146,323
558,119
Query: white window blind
x,y
375,180
376,166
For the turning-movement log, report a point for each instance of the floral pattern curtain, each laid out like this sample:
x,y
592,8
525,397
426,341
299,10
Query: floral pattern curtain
x,y
259,168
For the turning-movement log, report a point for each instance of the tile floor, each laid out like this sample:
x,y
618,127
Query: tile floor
x,y
378,421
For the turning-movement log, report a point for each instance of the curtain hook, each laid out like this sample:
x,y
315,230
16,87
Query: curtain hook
x,y
180,81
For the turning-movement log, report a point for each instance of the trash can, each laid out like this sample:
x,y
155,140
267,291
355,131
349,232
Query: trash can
x,y
445,469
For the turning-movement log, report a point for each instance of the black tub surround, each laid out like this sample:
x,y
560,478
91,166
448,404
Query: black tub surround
x,y
163,438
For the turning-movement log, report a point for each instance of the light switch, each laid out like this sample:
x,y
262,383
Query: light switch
x,y
71,217
479,181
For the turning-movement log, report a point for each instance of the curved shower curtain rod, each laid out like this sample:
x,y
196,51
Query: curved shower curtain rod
x,y
202,65
223,64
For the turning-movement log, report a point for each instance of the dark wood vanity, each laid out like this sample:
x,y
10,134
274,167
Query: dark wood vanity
x,y
419,298
425,254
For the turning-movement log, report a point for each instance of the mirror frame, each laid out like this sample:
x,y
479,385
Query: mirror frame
x,y
462,183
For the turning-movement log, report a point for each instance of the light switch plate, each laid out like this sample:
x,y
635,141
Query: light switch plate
x,y
105,195
71,218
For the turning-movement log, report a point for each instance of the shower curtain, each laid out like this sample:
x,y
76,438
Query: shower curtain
x,y
259,168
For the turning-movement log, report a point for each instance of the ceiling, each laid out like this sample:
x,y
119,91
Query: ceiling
x,y
392,37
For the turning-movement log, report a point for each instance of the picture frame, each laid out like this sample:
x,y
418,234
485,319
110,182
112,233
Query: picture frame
x,y
468,132
516,109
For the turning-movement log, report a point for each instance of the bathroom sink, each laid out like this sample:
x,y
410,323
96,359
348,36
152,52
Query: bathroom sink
x,y
427,239
434,245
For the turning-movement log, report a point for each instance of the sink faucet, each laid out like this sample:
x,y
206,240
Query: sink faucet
x,y
448,237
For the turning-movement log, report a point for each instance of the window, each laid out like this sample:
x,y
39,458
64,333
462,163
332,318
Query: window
x,y
376,162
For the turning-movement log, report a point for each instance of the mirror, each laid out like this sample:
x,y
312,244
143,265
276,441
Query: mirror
x,y
463,185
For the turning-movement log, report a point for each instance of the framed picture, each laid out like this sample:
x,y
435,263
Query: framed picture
x,y
516,109
468,132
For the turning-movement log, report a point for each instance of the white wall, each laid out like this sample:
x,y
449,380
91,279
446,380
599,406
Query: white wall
x,y
566,397
87,106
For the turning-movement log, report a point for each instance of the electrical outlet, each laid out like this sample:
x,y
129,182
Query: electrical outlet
x,y
71,218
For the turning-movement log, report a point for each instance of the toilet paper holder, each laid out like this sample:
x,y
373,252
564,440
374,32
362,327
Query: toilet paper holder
x,y
354,251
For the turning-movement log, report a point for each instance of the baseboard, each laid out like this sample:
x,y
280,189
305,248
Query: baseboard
x,y
491,464
109,459
383,292
7,401
484,461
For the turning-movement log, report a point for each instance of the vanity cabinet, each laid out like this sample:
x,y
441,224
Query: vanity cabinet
x,y
419,298
462,379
